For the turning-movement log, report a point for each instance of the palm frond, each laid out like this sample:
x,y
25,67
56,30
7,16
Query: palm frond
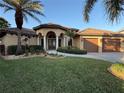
x,y
35,12
11,3
70,33
23,2
32,16
87,9
26,7
114,9
6,9
34,5
5,5
25,17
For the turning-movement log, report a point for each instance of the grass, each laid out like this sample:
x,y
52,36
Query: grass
x,y
118,70
67,75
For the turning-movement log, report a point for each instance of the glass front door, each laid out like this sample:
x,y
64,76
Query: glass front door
x,y
51,44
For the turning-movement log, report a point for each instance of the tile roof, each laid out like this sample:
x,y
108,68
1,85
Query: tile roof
x,y
92,31
52,25
24,31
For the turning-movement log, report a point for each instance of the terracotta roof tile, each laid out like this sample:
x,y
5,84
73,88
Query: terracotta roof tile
x,y
92,31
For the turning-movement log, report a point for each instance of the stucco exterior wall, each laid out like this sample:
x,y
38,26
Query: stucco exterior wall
x,y
76,42
8,40
33,41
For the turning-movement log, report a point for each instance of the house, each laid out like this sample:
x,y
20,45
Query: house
x,y
51,36
122,32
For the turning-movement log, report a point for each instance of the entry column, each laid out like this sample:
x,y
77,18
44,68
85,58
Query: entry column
x,y
57,42
44,42
38,43
64,41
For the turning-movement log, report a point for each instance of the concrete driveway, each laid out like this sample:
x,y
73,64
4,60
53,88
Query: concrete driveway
x,y
108,56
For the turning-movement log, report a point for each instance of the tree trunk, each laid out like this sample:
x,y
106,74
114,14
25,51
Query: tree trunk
x,y
19,50
19,23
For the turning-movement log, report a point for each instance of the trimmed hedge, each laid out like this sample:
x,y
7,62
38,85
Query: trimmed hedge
x,y
11,50
2,49
35,49
71,50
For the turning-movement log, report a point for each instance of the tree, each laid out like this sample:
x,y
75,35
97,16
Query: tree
x,y
71,35
114,9
22,8
4,23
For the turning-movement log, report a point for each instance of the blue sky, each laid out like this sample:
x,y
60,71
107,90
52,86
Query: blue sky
x,y
69,13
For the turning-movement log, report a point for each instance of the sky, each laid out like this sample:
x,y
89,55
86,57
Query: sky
x,y
69,13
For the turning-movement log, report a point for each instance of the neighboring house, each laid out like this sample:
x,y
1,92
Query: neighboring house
x,y
95,40
122,32
51,36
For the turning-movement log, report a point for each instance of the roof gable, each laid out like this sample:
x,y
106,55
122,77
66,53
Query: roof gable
x,y
54,26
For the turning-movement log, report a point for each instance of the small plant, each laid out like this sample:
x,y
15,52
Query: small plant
x,y
32,50
117,70
38,52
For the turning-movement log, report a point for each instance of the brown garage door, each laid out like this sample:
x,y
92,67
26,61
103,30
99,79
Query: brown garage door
x,y
91,45
111,45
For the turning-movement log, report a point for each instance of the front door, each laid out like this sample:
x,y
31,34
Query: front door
x,y
51,44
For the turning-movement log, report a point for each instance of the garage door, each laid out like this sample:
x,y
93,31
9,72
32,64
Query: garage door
x,y
111,45
91,45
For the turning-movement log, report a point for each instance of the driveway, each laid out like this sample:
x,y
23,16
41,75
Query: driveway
x,y
109,56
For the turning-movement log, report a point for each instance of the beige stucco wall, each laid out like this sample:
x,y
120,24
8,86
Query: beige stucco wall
x,y
33,41
76,42
8,40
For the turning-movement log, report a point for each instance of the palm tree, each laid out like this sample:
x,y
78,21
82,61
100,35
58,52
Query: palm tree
x,y
4,23
22,8
114,9
71,35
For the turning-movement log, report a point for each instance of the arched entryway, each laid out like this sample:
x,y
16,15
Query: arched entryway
x,y
51,40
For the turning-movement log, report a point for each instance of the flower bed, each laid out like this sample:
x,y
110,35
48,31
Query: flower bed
x,y
117,70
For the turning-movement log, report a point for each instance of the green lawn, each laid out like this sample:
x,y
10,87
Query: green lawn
x,y
69,75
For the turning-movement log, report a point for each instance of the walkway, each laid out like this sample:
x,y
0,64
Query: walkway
x,y
110,56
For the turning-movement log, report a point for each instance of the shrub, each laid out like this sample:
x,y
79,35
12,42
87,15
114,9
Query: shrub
x,y
32,48
2,49
72,50
11,50
36,48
